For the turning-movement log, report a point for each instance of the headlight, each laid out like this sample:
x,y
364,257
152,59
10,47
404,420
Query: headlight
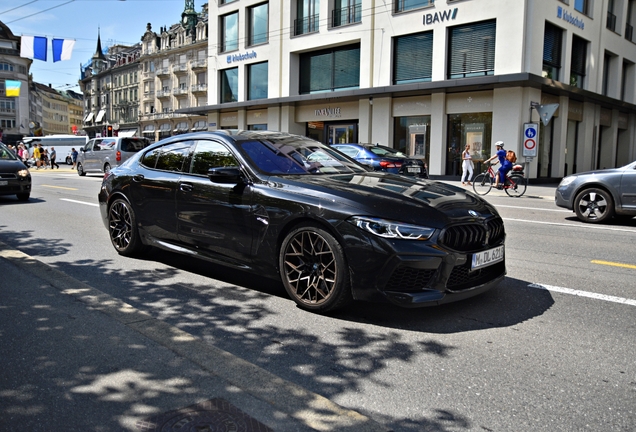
x,y
566,181
23,173
390,229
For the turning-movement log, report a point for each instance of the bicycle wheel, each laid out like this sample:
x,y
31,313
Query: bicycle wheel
x,y
482,184
517,186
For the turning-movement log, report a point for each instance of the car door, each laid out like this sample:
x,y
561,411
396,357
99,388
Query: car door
x,y
152,191
91,155
214,217
628,188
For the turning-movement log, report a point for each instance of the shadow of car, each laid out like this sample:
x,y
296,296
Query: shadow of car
x,y
382,158
15,178
288,207
597,196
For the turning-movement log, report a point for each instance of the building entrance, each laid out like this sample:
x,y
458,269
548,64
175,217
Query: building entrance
x,y
342,134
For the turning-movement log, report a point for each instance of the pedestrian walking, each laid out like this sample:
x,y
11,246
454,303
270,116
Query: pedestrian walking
x,y
52,157
74,157
36,156
467,166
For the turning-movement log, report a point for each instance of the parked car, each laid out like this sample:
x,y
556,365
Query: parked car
x,y
288,207
597,196
99,155
15,178
382,158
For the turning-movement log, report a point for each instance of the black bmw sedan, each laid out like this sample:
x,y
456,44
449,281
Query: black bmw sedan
x,y
15,178
287,207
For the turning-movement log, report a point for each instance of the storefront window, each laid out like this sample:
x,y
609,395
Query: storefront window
x,y
474,129
412,136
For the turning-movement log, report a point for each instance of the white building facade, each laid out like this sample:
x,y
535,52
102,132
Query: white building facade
x,y
430,76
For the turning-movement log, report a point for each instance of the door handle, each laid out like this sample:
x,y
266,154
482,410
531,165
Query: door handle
x,y
186,187
138,177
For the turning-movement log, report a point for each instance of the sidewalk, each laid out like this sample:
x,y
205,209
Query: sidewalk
x,y
77,359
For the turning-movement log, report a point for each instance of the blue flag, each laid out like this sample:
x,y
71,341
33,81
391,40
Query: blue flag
x,y
33,47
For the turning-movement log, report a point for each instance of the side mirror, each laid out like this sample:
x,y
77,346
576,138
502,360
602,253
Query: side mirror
x,y
225,175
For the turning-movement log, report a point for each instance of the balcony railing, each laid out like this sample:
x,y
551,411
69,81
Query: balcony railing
x,y
611,21
629,32
306,25
163,93
199,88
199,64
163,71
177,91
179,68
348,15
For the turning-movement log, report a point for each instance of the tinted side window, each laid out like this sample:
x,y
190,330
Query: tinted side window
x,y
150,158
172,156
209,154
133,144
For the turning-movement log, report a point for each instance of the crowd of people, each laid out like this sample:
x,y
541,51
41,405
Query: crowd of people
x,y
43,158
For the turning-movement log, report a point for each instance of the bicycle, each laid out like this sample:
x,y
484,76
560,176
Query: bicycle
x,y
515,184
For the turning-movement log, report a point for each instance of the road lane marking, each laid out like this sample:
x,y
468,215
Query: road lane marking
x,y
606,228
79,202
614,264
59,187
588,294
534,208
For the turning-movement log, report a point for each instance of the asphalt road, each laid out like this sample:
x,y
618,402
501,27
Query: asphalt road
x,y
550,349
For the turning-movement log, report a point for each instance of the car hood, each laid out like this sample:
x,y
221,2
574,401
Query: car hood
x,y
11,166
392,196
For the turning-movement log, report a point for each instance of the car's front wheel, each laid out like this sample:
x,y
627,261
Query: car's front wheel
x,y
594,205
314,270
23,196
122,228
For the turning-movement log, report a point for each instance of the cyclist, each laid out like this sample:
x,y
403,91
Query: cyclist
x,y
506,165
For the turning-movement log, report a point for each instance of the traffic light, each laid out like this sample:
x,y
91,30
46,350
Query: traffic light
x,y
109,131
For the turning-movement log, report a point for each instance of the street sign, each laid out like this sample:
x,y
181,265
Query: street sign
x,y
530,139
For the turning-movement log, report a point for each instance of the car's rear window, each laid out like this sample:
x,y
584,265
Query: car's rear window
x,y
134,144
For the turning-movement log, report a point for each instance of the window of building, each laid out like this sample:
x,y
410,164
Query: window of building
x,y
257,76
630,19
229,32
552,40
611,17
607,60
257,127
229,85
578,65
581,6
413,58
412,136
472,50
406,5
346,12
330,70
6,67
227,1
470,128
258,24
307,16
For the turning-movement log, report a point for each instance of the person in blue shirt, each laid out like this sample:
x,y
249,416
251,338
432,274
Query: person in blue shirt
x,y
506,165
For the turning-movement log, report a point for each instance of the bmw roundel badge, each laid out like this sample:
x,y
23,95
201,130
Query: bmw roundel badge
x,y
473,213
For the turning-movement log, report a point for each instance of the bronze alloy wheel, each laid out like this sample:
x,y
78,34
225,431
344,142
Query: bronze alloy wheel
x,y
314,270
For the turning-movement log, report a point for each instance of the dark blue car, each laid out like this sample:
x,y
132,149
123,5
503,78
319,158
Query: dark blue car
x,y
382,158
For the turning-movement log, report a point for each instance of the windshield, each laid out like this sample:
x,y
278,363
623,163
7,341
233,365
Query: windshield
x,y
6,154
297,157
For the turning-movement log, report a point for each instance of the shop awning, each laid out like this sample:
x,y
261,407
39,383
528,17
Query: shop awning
x,y
181,127
100,116
148,129
89,117
199,126
164,127
126,133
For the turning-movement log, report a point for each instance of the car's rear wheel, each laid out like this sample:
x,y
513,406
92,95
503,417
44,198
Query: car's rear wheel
x,y
23,196
482,184
314,270
80,170
594,205
107,168
122,228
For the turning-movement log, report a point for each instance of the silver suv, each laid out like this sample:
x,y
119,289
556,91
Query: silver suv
x,y
99,155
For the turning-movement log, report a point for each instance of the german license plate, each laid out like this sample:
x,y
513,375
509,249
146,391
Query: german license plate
x,y
4,182
487,257
413,169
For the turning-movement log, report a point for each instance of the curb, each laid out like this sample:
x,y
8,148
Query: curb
x,y
311,409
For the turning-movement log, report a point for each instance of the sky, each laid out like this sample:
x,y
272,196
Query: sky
x,y
119,22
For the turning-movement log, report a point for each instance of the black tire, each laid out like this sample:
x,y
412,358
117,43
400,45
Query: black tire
x,y
107,168
80,170
314,270
594,205
69,161
23,196
122,228
519,187
482,184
